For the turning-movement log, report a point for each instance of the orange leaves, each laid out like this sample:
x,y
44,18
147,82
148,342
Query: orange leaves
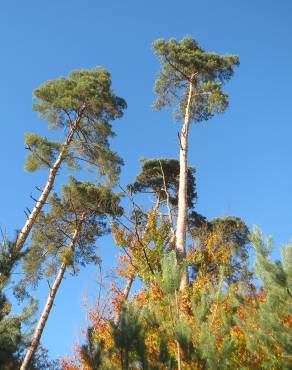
x,y
69,364
288,321
125,269
143,245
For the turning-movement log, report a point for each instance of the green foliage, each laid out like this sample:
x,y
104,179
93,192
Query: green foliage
x,y
84,103
183,334
8,259
169,280
268,333
10,326
159,174
185,62
129,337
59,101
93,353
43,152
13,339
83,204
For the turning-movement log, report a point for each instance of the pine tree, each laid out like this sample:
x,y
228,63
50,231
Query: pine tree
x,y
192,80
64,237
82,106
161,177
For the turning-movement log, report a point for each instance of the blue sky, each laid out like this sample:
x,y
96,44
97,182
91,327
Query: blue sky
x,y
243,158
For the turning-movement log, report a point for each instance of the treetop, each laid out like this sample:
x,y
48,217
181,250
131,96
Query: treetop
x,y
185,62
159,175
86,92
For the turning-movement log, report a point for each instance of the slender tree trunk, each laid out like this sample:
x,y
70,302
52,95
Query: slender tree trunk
x,y
23,235
48,306
125,297
181,226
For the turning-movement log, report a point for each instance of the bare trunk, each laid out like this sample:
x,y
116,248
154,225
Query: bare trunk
x,y
23,235
47,309
125,297
181,225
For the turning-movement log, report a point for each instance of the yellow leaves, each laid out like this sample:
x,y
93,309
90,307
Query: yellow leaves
x,y
120,236
216,248
152,343
143,245
6,309
152,219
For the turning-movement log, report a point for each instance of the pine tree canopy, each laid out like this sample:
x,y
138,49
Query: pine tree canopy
x,y
86,92
82,105
81,203
184,62
158,174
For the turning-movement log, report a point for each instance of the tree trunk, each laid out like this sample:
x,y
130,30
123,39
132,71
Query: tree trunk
x,y
23,235
125,297
181,226
48,306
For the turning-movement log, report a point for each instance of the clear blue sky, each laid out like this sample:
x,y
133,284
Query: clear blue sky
x,y
243,158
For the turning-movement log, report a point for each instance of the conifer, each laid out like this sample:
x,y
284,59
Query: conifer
x,y
82,106
191,80
65,237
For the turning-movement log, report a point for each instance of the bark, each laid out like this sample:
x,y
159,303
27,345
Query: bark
x,y
48,306
125,297
181,226
23,235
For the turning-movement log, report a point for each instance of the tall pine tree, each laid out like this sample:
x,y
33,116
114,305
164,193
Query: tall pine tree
x,y
191,80
82,106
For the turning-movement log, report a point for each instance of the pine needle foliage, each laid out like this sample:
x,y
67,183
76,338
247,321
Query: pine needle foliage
x,y
269,320
13,336
161,175
183,62
81,203
85,103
